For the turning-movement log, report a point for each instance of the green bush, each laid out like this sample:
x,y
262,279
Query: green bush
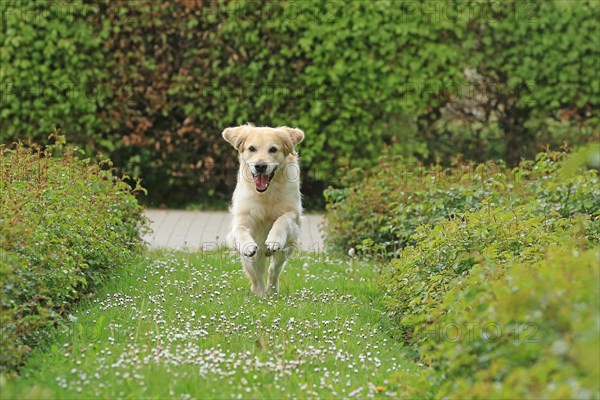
x,y
443,255
153,83
528,82
65,224
516,330
514,216
267,63
500,299
479,250
52,65
523,330
380,211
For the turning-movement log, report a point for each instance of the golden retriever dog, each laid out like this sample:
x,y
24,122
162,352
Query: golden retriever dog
x,y
266,204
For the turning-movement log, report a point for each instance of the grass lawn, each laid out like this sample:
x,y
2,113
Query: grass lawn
x,y
185,325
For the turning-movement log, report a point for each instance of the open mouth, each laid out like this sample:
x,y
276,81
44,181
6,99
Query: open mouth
x,y
262,181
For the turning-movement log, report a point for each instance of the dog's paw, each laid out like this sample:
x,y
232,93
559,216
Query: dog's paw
x,y
272,247
260,292
249,249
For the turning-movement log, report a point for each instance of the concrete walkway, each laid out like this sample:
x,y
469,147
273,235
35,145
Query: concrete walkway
x,y
207,230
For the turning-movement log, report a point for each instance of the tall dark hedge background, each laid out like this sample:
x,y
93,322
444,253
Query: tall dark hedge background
x,y
152,83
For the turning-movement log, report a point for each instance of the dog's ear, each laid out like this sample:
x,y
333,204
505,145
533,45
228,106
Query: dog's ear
x,y
293,137
236,136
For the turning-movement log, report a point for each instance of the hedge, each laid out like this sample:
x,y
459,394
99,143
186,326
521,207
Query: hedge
x,y
529,80
153,83
65,224
490,273
516,330
379,211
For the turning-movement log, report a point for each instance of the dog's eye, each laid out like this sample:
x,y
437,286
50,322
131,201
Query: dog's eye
x,y
273,150
252,149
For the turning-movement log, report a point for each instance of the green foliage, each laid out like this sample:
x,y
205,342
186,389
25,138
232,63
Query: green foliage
x,y
65,224
387,206
434,224
52,63
444,255
491,273
153,83
529,80
517,330
521,331
271,64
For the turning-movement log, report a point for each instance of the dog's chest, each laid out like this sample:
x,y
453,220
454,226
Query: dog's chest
x,y
266,214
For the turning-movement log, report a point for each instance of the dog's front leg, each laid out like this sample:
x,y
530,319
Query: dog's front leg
x,y
241,236
252,261
286,228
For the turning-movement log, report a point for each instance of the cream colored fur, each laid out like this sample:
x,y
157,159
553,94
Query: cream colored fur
x,y
265,225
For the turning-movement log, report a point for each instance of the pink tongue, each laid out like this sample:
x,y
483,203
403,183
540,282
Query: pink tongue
x,y
261,181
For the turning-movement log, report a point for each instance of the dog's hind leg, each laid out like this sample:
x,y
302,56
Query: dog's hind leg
x,y
255,270
277,264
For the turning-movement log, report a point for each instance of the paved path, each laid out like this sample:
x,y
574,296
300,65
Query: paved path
x,y
207,229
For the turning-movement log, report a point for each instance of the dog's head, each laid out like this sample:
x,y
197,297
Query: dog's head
x,y
263,150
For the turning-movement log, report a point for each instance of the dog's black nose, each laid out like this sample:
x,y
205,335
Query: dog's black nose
x,y
260,167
